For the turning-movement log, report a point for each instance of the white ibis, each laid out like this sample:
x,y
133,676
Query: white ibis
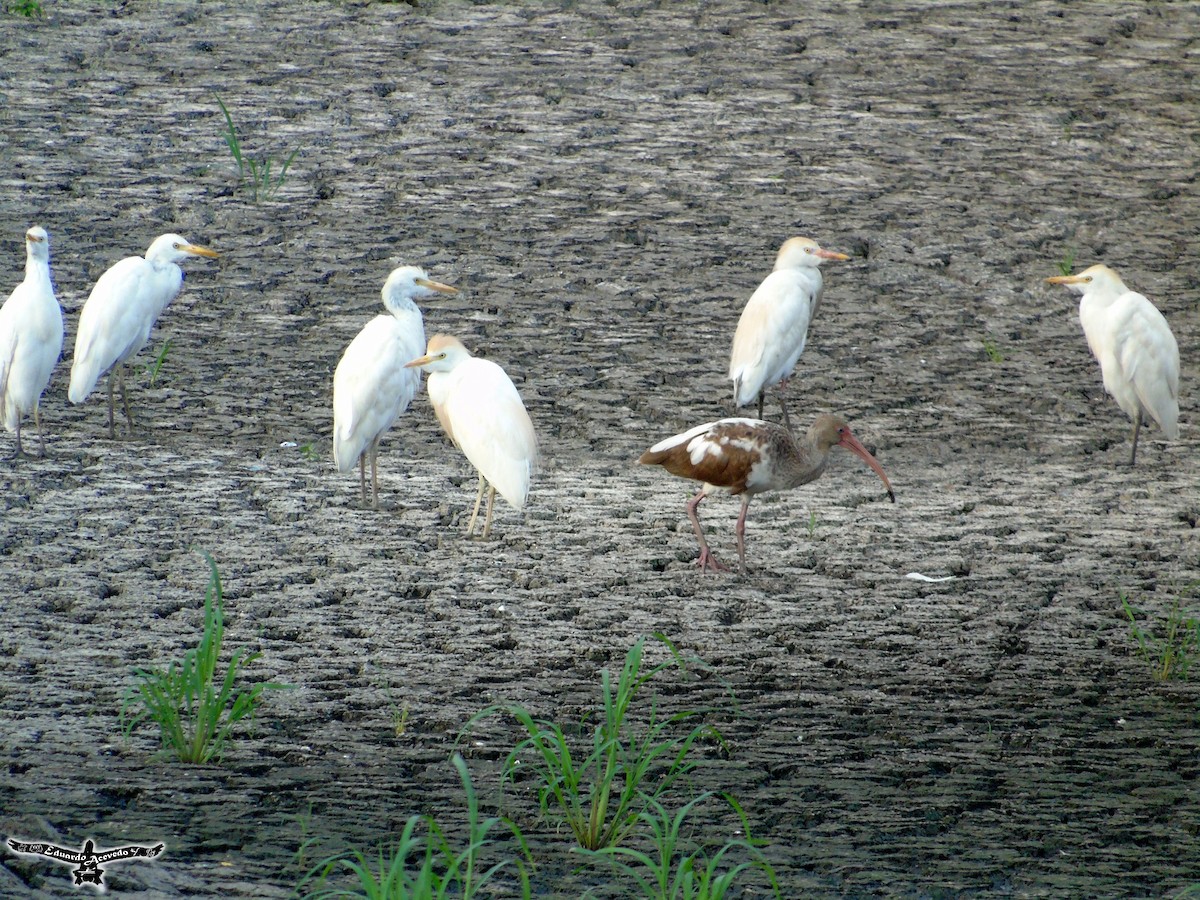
x,y
119,313
772,331
482,413
748,457
1138,355
372,384
31,339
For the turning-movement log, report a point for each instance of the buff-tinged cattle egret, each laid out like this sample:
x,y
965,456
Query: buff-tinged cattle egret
x,y
748,457
119,313
773,329
482,413
372,384
1138,355
31,339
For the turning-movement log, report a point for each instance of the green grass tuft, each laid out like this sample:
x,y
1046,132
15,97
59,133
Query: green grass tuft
x,y
601,790
1170,654
264,176
429,866
195,712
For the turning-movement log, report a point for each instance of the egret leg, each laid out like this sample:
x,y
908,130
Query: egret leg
x,y
478,500
37,420
362,476
375,472
787,423
1137,427
20,452
761,395
741,531
706,556
125,403
112,433
487,522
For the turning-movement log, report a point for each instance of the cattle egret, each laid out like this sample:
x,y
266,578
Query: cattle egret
x,y
1138,356
372,385
773,328
748,457
31,338
482,413
119,313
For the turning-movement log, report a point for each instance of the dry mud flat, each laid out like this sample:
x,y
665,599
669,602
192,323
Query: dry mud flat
x,y
607,183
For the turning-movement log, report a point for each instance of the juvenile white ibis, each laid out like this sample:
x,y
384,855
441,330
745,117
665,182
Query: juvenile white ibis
x,y
772,331
1138,355
31,339
482,413
117,317
748,457
372,384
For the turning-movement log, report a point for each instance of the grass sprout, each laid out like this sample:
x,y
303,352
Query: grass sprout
x,y
601,790
424,866
30,9
195,711
1067,263
992,349
265,176
1170,654
675,868
154,367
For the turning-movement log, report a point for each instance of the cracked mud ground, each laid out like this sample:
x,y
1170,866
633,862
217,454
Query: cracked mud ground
x,y
607,183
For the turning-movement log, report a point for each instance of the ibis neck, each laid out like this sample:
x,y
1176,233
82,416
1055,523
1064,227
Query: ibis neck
x,y
803,462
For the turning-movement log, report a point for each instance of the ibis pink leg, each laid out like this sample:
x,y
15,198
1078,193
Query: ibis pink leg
x,y
706,556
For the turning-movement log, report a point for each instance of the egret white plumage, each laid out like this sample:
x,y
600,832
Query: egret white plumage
x,y
372,384
773,329
120,311
1138,355
31,338
482,413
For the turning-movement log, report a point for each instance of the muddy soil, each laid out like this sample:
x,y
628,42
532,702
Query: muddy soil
x,y
607,183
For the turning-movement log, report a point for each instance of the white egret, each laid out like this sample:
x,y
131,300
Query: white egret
x,y
1138,355
482,413
31,339
772,331
372,384
117,317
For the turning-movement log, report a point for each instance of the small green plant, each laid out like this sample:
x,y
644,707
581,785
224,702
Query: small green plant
x,y
420,867
811,525
674,868
30,9
310,452
1067,263
258,173
1170,656
195,713
992,349
154,367
602,792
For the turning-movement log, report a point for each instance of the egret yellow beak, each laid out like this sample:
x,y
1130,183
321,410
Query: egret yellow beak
x,y
198,251
1064,279
831,254
36,238
435,286
422,360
